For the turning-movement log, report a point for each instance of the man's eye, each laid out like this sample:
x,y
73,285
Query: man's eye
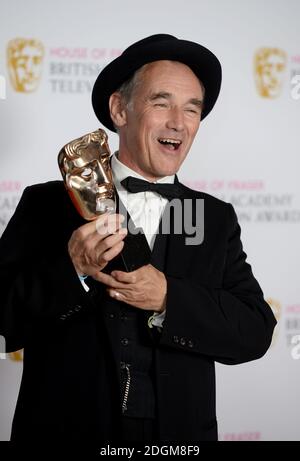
x,y
193,111
160,104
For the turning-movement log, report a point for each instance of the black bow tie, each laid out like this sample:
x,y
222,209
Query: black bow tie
x,y
135,185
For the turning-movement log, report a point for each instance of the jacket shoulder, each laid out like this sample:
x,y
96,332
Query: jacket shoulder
x,y
49,187
49,199
210,200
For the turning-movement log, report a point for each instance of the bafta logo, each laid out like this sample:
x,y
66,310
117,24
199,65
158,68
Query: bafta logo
x,y
269,67
24,60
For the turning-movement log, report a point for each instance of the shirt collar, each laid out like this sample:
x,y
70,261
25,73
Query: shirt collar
x,y
121,171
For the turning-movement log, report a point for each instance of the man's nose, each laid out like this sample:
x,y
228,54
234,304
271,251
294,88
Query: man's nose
x,y
175,119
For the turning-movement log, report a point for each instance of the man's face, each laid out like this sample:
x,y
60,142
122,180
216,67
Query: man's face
x,y
162,119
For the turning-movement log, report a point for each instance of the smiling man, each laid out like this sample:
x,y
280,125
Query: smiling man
x,y
158,127
112,355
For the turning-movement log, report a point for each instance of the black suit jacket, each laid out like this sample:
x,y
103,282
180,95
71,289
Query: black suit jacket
x,y
70,389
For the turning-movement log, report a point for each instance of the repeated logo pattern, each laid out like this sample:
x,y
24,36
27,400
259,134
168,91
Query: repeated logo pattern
x,y
24,60
269,67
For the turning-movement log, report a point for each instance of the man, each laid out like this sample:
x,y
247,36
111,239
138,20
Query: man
x,y
130,355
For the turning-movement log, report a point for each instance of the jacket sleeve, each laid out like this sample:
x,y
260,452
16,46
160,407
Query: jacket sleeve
x,y
230,324
38,282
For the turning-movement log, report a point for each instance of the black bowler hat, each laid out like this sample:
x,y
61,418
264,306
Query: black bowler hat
x,y
158,47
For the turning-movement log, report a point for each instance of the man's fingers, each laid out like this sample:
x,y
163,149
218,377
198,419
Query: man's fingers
x,y
111,253
134,276
104,225
104,246
107,280
111,240
124,277
109,224
116,294
86,230
96,243
89,231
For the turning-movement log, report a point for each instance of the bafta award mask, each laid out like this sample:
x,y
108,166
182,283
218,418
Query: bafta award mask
x,y
84,165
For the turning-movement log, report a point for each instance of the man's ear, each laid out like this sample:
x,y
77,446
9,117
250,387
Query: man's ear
x,y
117,110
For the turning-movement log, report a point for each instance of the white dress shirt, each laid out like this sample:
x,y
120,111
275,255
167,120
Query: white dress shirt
x,y
145,208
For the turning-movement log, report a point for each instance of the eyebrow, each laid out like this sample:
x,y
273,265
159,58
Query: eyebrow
x,y
164,94
160,94
196,102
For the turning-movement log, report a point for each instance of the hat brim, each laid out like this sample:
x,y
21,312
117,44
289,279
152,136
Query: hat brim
x,y
202,61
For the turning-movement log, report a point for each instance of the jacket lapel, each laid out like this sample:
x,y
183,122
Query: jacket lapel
x,y
183,221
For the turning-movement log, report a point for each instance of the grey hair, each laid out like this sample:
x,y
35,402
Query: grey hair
x,y
127,88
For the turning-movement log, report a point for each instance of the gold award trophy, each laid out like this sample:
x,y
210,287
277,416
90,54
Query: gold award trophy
x,y
85,168
84,165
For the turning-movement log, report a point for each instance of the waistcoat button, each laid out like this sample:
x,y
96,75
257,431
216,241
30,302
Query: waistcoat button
x,y
124,341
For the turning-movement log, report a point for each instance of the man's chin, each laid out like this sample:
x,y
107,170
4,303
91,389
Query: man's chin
x,y
164,173
167,170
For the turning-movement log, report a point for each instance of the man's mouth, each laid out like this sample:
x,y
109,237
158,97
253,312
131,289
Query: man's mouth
x,y
170,143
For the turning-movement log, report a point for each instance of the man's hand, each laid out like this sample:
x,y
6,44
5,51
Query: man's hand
x,y
93,245
145,288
